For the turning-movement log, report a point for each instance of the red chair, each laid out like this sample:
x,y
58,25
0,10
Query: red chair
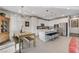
x,y
73,45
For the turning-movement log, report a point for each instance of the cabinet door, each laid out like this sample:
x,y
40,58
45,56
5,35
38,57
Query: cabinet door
x,y
5,25
1,18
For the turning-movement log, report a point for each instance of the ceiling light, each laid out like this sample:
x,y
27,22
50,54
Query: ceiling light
x,y
46,10
62,15
68,8
74,16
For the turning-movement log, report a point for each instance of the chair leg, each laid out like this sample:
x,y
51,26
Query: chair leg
x,y
22,44
29,43
19,45
34,43
15,46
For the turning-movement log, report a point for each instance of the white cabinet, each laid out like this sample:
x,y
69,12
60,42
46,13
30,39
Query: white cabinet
x,y
44,37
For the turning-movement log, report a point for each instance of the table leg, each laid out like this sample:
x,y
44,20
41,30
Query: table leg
x,y
34,41
15,46
29,43
22,44
19,45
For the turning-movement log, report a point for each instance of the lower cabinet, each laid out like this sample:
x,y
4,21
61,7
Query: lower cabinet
x,y
4,37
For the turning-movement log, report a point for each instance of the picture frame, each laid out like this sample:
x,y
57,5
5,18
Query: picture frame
x,y
74,23
26,23
42,24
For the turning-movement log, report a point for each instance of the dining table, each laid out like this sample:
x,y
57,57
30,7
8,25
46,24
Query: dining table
x,y
23,35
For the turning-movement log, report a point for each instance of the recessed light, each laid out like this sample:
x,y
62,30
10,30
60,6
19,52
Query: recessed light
x,y
32,12
62,15
68,8
46,10
74,16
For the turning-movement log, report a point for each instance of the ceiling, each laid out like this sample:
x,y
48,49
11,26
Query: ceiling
x,y
46,12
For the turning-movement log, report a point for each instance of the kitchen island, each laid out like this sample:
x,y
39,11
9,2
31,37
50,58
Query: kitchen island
x,y
46,35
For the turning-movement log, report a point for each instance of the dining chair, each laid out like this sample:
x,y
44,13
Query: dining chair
x,y
31,38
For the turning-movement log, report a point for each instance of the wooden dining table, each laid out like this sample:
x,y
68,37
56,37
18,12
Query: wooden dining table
x,y
24,35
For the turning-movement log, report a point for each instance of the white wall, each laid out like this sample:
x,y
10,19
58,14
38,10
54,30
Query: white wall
x,y
24,19
74,30
33,24
63,20
42,21
16,22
